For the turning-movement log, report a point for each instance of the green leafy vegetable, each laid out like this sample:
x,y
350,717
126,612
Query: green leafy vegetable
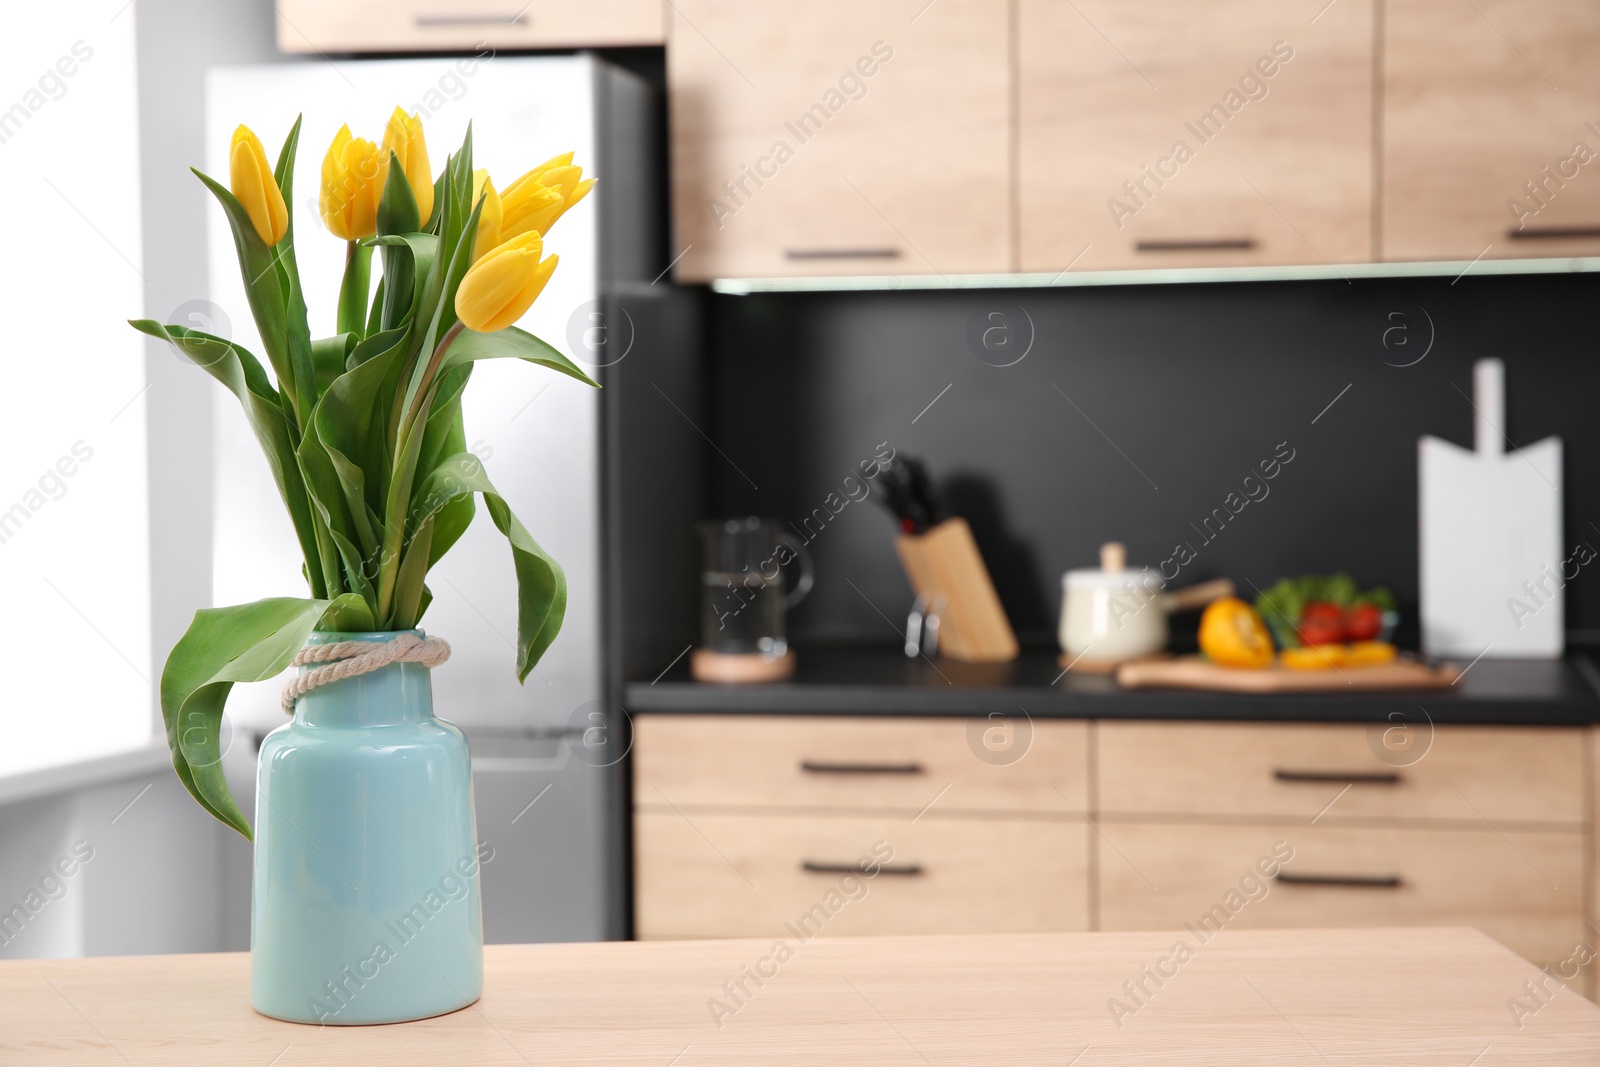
x,y
1282,603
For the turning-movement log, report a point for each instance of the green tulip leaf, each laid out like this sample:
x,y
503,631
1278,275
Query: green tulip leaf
x,y
263,284
244,376
512,343
245,643
297,330
541,584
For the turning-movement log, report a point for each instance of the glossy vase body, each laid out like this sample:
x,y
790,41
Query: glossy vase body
x,y
365,904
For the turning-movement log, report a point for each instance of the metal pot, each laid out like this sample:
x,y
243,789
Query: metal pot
x,y
1113,614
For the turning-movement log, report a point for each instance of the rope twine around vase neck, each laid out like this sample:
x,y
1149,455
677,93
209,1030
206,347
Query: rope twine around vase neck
x,y
347,659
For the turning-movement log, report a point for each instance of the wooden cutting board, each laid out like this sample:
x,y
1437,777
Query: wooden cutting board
x,y
1192,672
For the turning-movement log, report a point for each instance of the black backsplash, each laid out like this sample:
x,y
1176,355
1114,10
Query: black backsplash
x,y
1134,413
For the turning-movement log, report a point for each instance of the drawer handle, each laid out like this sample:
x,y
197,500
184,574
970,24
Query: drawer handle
x,y
841,253
425,22
822,767
1359,881
904,870
1197,244
1356,778
1547,233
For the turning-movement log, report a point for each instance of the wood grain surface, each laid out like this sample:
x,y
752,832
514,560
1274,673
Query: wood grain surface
x,y
1434,996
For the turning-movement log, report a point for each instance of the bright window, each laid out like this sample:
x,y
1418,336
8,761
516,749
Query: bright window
x,y
74,529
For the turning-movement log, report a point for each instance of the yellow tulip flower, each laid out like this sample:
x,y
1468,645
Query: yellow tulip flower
x,y
352,185
490,218
403,137
499,288
250,178
534,202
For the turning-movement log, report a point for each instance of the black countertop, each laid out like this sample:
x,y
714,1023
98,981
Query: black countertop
x,y
880,680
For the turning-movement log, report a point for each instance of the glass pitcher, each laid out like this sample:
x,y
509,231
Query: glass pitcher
x,y
742,585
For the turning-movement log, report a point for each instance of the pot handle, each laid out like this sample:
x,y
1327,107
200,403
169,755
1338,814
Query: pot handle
x,y
1198,596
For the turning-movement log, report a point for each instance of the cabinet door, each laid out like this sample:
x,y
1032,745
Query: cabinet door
x,y
1522,888
855,138
321,26
1482,776
859,763
709,874
1163,133
1491,129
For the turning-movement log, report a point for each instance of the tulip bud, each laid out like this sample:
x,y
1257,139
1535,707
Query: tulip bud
x,y
534,202
489,219
352,185
403,137
250,178
499,288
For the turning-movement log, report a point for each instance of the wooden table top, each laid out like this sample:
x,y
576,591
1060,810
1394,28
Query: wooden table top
x,y
1323,997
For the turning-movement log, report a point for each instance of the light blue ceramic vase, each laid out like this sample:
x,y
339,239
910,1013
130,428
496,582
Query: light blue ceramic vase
x,y
366,906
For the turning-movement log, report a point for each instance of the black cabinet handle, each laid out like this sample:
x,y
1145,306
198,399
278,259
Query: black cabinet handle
x,y
841,253
811,766
1358,881
425,22
1550,233
1355,778
909,869
1197,244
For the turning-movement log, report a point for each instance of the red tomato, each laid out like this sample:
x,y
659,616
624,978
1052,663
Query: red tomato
x,y
1322,623
1363,623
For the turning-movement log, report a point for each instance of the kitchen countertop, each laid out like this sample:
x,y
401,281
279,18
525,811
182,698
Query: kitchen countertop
x,y
880,680
1412,996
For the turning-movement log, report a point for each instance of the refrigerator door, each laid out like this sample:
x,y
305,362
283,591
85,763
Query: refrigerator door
x,y
537,802
537,432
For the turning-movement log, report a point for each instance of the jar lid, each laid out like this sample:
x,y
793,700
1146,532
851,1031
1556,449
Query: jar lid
x,y
1095,578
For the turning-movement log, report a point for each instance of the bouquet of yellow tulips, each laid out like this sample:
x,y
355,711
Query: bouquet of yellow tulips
x,y
363,429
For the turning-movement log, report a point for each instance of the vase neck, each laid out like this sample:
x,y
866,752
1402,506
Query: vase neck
x,y
389,696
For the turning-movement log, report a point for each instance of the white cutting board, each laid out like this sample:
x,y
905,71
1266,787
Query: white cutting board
x,y
1490,537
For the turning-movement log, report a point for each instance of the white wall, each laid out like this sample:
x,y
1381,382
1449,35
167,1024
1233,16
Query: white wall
x,y
164,876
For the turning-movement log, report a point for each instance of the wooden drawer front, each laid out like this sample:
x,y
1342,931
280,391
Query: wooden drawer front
x,y
1524,889
844,138
703,875
1123,160
318,26
1472,114
861,763
1455,772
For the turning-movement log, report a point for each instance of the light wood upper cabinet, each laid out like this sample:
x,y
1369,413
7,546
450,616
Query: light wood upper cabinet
x,y
1480,100
322,26
1163,133
839,138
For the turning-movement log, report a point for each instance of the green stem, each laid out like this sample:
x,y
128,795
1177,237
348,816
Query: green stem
x,y
354,292
404,471
426,381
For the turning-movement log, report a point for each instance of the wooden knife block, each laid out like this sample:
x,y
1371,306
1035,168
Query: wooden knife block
x,y
944,563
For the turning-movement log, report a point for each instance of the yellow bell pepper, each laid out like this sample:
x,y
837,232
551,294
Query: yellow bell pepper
x,y
1233,635
352,185
1314,658
499,288
1329,657
490,218
403,137
1369,653
536,200
250,178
